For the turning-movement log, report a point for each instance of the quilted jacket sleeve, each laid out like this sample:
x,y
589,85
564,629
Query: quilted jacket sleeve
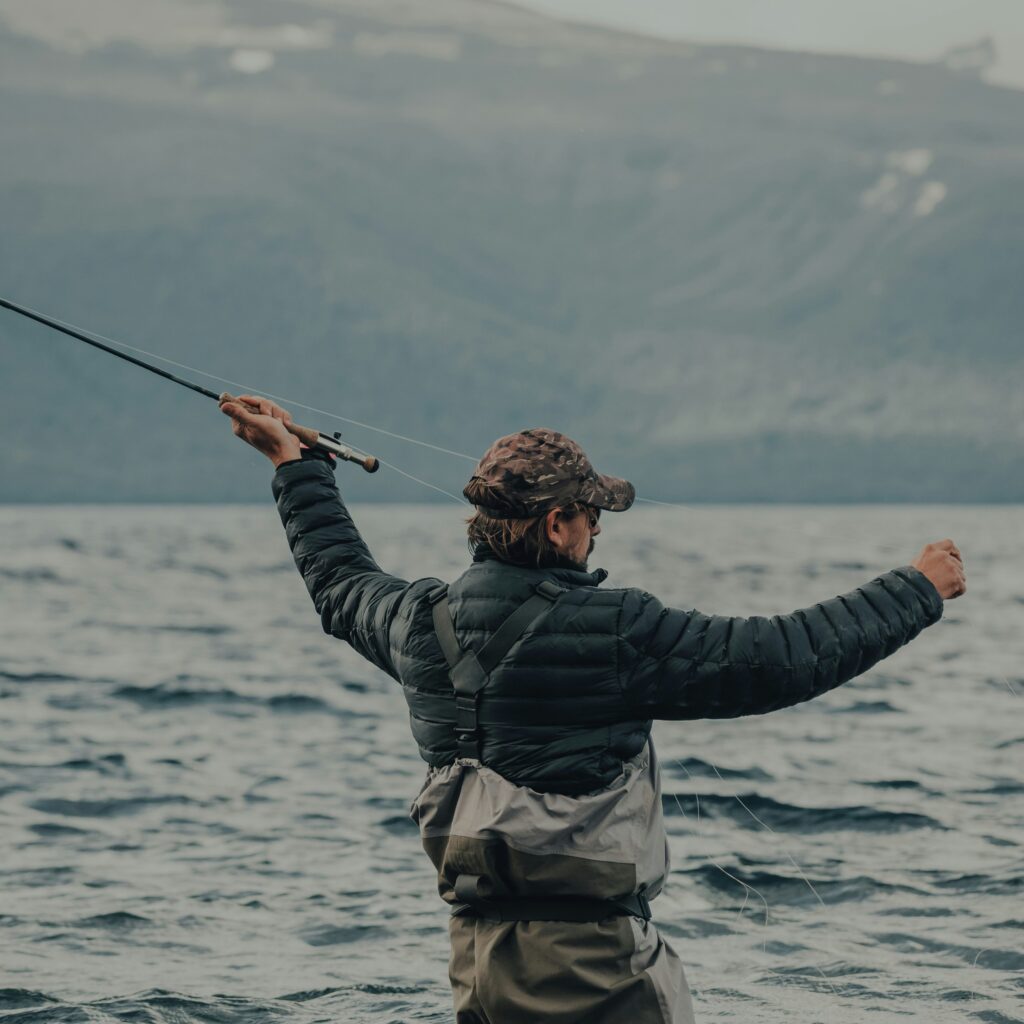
x,y
356,599
684,664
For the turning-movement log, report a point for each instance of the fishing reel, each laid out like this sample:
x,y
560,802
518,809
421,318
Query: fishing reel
x,y
333,445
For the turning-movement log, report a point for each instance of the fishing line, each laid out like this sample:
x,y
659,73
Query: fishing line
x,y
768,828
426,483
764,825
1006,680
669,504
747,889
739,881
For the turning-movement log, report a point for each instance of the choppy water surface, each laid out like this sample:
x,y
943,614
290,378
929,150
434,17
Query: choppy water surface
x,y
203,798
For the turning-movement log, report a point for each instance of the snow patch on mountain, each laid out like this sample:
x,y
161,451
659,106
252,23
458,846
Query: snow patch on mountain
x,y
972,58
251,62
911,161
932,193
895,188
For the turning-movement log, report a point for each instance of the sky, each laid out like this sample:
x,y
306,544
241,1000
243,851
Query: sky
x,y
912,29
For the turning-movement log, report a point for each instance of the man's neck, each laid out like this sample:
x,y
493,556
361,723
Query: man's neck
x,y
550,561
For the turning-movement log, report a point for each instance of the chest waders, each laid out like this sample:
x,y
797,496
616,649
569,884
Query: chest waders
x,y
469,673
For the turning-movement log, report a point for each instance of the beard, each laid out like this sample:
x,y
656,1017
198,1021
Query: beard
x,y
565,562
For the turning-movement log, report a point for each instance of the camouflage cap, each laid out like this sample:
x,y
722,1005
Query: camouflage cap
x,y
526,474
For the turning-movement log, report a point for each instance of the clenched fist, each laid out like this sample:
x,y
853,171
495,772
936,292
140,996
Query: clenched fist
x,y
264,425
943,564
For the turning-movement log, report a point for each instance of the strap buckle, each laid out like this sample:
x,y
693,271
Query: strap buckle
x,y
467,732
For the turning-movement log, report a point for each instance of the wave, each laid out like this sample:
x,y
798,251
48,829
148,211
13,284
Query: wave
x,y
204,629
32,575
103,764
23,999
866,707
1006,744
686,766
112,808
369,987
118,920
165,696
896,784
338,935
38,677
791,817
791,889
980,957
1006,885
49,830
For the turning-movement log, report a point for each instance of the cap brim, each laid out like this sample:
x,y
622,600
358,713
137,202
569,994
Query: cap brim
x,y
611,494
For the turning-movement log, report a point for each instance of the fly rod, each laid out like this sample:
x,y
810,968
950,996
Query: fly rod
x,y
307,435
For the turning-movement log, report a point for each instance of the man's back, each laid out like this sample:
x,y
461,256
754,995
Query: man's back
x,y
552,715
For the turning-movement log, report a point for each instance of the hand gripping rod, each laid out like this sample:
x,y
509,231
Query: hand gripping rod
x,y
314,439
307,435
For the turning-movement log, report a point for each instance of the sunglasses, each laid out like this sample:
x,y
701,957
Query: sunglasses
x,y
592,514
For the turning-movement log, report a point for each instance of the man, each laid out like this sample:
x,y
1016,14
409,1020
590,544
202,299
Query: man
x,y
531,692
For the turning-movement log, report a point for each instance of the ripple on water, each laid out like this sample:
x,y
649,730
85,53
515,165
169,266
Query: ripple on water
x,y
52,830
37,677
22,998
37,574
165,695
695,766
339,935
117,920
110,808
788,817
372,988
792,889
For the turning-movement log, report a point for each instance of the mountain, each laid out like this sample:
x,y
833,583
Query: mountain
x,y
731,274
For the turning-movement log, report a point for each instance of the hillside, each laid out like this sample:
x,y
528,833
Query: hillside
x,y
731,274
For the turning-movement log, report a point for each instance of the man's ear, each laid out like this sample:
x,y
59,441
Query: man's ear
x,y
553,526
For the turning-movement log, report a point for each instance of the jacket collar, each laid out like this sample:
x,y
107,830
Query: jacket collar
x,y
559,573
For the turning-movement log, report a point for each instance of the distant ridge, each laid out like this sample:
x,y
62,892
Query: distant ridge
x,y
732,274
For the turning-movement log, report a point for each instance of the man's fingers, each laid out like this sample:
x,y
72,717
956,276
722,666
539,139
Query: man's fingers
x,y
268,408
237,412
949,547
261,405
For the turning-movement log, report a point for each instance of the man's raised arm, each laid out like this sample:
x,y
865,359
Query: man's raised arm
x,y
678,664
357,601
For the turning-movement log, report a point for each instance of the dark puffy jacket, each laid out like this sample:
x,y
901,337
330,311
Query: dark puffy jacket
x,y
575,697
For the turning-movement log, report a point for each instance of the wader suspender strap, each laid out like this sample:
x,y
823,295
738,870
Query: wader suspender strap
x,y
469,670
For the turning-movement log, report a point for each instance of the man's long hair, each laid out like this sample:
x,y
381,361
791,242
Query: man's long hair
x,y
519,541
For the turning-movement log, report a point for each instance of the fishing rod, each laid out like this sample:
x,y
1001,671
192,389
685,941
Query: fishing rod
x,y
307,435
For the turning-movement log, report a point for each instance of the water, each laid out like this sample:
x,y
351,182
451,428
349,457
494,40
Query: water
x,y
203,798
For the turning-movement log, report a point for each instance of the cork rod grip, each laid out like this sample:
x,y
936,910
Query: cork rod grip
x,y
314,439
307,435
